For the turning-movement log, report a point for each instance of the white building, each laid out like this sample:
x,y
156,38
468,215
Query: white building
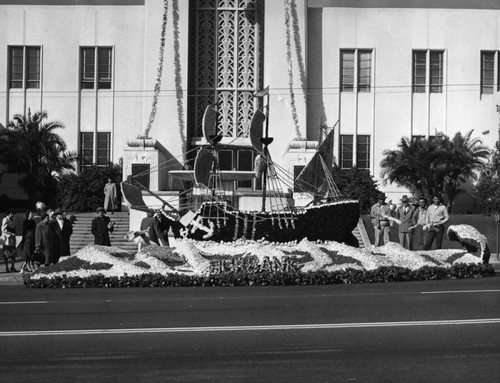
x,y
115,70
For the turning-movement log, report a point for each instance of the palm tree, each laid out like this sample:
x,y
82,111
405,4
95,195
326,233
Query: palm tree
x,y
467,158
30,147
408,166
435,166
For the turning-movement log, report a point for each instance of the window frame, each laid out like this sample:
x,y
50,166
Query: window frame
x,y
356,67
347,74
86,149
427,70
487,87
22,71
346,156
95,152
365,74
96,67
363,151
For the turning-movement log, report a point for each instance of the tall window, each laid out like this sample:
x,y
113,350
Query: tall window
x,y
347,70
226,63
427,71
86,149
363,152
103,147
96,67
487,72
356,64
24,67
346,151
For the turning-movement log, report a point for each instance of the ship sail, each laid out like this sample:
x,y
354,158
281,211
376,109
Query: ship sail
x,y
317,172
256,129
209,123
203,166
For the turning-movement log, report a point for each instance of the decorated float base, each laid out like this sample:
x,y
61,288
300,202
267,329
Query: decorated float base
x,y
190,262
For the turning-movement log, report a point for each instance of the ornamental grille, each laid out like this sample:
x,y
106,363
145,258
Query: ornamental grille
x,y
225,63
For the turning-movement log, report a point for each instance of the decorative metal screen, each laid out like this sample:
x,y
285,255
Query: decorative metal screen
x,y
225,63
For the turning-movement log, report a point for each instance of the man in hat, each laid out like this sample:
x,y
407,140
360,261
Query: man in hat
x,y
63,230
379,214
406,222
101,227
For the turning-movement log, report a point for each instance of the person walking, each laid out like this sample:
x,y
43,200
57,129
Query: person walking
x,y
420,234
437,216
9,242
28,242
44,241
63,230
110,196
101,227
379,214
405,216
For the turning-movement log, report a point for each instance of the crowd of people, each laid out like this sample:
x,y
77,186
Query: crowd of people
x,y
45,237
419,225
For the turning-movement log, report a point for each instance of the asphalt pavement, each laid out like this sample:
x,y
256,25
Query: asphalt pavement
x,y
430,331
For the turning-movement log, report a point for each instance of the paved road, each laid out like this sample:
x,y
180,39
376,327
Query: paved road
x,y
408,332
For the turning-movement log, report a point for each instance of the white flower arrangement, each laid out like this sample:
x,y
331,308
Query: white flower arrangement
x,y
198,253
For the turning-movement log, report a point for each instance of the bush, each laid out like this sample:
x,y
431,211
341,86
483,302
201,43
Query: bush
x,y
83,192
268,278
357,184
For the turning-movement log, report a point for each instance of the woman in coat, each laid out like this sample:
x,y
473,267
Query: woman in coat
x,y
110,196
45,240
28,242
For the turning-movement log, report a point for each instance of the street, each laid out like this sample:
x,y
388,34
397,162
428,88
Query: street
x,y
400,332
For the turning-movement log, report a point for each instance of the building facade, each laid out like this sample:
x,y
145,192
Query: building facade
x,y
131,79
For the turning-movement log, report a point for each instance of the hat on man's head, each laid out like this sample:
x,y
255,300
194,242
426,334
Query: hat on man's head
x,y
99,209
404,198
58,212
381,196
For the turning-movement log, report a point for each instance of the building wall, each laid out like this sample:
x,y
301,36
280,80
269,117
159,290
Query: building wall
x,y
301,67
392,110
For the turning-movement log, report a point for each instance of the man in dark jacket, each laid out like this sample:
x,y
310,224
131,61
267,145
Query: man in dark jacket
x,y
101,227
158,231
63,230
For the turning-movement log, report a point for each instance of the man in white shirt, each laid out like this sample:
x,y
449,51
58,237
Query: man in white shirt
x,y
379,214
437,216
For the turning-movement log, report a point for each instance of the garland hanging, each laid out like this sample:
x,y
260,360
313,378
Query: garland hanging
x,y
288,29
178,78
159,71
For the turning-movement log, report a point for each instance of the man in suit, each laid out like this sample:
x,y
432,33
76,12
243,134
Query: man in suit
x,y
63,230
407,223
101,227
